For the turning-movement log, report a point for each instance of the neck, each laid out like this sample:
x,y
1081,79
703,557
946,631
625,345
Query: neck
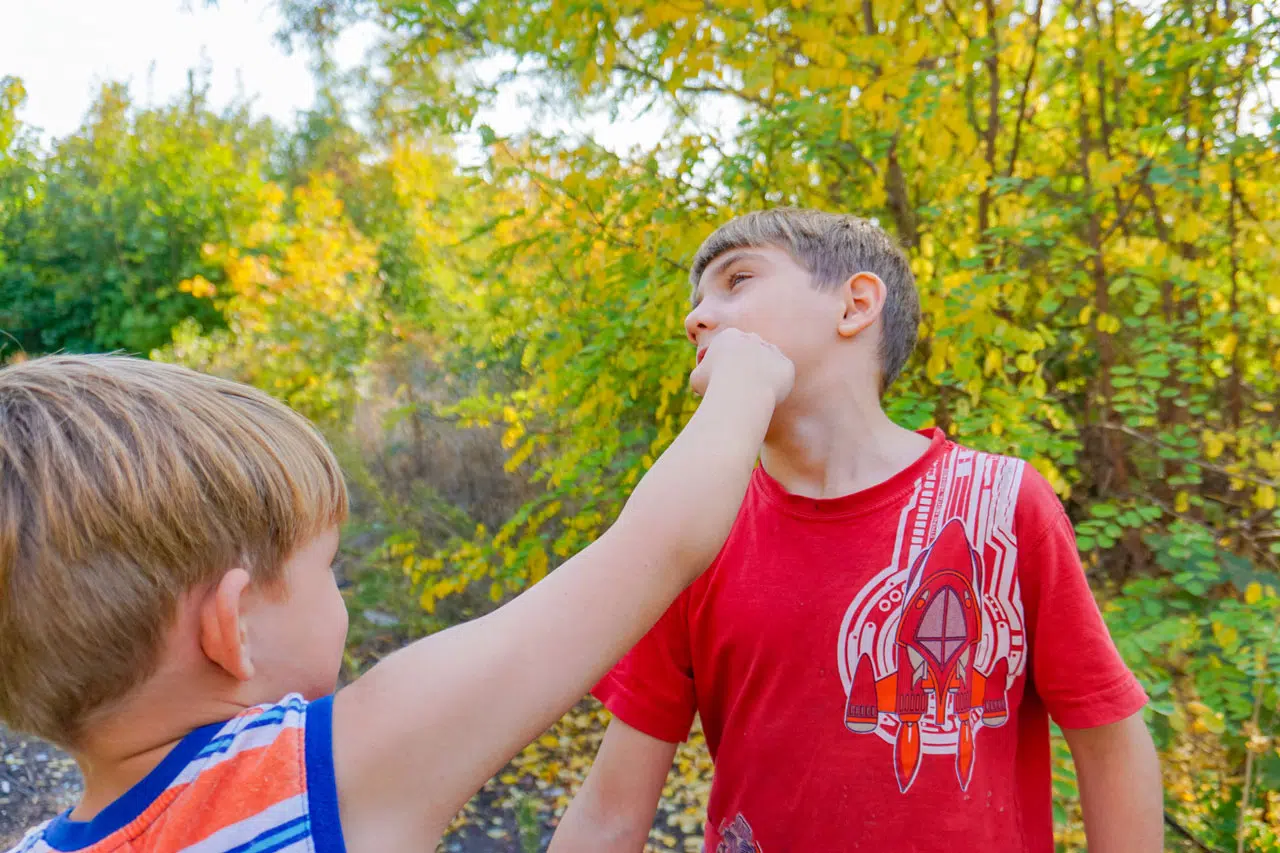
x,y
124,743
834,441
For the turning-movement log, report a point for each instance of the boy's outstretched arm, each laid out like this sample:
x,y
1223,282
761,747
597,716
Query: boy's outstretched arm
x,y
418,735
1118,772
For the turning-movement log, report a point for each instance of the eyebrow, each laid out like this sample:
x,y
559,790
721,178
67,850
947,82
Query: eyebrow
x,y
719,265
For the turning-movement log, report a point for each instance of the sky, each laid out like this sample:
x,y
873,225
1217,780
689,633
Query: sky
x,y
64,50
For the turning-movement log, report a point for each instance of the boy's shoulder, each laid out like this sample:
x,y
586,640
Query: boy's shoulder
x,y
1032,498
267,773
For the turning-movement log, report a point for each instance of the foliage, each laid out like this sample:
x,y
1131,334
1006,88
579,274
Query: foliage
x,y
300,303
108,222
1088,195
15,154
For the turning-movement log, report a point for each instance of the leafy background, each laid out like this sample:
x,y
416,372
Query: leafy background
x,y
488,327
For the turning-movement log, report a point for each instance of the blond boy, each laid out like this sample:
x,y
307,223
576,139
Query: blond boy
x,y
168,613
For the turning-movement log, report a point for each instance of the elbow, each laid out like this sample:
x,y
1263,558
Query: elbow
x,y
686,542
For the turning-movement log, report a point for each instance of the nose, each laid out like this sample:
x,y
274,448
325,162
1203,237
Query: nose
x,y
697,321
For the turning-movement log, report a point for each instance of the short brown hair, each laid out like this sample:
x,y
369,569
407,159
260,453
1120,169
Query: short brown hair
x,y
832,247
124,484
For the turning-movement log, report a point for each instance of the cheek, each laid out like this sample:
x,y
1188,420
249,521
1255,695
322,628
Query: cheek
x,y
336,611
781,324
324,622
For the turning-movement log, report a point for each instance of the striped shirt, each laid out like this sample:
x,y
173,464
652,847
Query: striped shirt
x,y
260,783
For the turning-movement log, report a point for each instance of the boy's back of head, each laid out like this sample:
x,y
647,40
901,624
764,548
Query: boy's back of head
x,y
125,484
831,247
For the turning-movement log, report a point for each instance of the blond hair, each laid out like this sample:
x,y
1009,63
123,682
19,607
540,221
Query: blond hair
x,y
124,484
832,248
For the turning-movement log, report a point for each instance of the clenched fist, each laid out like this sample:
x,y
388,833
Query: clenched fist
x,y
745,359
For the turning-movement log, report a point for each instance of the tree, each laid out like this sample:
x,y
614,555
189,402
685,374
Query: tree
x,y
299,293
115,216
1088,193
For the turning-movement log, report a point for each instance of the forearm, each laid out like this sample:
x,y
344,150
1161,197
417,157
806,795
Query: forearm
x,y
588,827
613,811
1120,787
687,502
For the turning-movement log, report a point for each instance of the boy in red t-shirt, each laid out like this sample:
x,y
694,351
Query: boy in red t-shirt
x,y
878,649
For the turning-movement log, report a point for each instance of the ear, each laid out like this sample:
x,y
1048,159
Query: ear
x,y
863,296
223,637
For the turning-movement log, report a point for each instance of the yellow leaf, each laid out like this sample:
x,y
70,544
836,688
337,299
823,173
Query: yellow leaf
x,y
1253,593
1189,228
915,51
537,565
1265,497
1025,363
1225,634
512,435
1182,502
495,591
872,98
1112,173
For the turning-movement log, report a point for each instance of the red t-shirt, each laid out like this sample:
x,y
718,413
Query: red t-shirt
x,y
877,671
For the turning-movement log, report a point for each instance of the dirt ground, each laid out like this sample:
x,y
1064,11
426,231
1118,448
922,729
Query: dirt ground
x,y
36,782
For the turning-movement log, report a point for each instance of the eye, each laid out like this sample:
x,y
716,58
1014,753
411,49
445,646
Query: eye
x,y
737,278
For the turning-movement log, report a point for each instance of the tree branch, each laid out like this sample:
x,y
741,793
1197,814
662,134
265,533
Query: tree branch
x,y
1026,88
1186,834
951,13
1200,463
899,202
699,88
1122,214
601,226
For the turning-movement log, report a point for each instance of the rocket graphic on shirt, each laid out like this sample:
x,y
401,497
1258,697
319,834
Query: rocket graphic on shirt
x,y
931,645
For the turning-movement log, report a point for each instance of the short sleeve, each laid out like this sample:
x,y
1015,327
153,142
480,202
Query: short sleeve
x,y
1075,666
651,688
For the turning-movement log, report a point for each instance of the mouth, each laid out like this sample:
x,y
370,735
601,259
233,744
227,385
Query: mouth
x,y
702,353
